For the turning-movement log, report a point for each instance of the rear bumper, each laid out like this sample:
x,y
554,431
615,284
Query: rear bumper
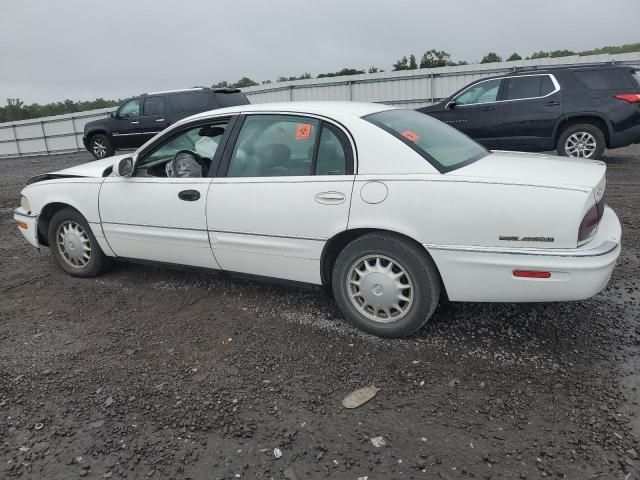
x,y
28,225
485,274
626,137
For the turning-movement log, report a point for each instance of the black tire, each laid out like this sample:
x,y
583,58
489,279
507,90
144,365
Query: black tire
x,y
416,263
585,129
97,262
100,146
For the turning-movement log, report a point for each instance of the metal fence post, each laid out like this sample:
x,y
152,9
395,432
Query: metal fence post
x,y
75,132
350,84
15,136
291,93
433,89
44,137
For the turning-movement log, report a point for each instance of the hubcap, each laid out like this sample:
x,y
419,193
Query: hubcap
x,y
580,144
380,288
99,147
73,244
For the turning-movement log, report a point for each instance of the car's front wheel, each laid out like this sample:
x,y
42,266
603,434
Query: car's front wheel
x,y
386,285
101,146
74,246
582,141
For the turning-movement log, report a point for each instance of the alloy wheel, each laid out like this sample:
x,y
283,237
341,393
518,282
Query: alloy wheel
x,y
580,144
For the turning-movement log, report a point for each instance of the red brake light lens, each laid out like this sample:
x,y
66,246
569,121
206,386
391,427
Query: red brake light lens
x,y
629,97
590,221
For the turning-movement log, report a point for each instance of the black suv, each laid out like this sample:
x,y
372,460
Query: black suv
x,y
577,110
138,119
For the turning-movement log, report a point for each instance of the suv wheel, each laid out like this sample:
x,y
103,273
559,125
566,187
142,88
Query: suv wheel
x,y
100,146
386,285
74,246
582,141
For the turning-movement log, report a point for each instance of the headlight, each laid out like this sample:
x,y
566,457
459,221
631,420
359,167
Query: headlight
x,y
24,203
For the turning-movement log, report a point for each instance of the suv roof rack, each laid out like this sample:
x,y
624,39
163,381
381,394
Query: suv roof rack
x,y
178,90
544,68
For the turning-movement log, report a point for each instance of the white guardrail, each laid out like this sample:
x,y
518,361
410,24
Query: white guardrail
x,y
408,88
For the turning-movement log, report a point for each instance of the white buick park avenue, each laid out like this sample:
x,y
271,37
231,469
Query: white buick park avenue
x,y
388,207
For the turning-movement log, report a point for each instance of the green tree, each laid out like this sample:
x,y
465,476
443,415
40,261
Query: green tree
x,y
344,71
540,54
223,84
413,65
561,53
244,82
491,57
626,48
514,56
402,64
435,58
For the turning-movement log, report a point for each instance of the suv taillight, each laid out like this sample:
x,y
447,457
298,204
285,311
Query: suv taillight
x,y
629,97
590,221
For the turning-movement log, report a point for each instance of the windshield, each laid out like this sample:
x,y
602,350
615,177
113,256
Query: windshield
x,y
443,146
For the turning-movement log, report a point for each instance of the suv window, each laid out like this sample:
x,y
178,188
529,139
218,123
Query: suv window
x,y
530,86
482,92
202,140
604,79
636,76
130,109
189,101
231,99
441,145
153,106
274,146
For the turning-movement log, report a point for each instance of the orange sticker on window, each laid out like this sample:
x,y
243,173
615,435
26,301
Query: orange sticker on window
x,y
303,131
411,136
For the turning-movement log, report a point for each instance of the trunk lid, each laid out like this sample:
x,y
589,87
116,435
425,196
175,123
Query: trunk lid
x,y
537,169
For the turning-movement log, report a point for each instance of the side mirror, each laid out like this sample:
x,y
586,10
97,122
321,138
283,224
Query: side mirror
x,y
114,114
451,104
123,167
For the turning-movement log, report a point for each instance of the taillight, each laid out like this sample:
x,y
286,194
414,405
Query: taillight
x,y
590,221
629,97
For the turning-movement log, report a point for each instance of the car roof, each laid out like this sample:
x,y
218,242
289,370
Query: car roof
x,y
323,108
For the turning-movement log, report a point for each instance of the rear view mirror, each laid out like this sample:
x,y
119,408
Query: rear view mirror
x,y
211,131
123,167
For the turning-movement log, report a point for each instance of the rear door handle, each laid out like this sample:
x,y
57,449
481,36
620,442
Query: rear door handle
x,y
552,103
135,123
488,109
160,120
330,198
189,195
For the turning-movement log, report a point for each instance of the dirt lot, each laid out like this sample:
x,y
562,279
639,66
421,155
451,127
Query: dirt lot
x,y
148,372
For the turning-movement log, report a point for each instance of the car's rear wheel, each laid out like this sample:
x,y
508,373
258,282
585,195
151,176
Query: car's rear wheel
x,y
582,141
74,246
100,146
386,285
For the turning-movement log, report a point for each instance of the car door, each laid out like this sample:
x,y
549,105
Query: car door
x,y
157,215
528,112
474,111
126,129
153,119
284,188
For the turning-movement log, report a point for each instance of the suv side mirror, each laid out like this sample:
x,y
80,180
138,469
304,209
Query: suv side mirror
x,y
123,167
114,114
451,104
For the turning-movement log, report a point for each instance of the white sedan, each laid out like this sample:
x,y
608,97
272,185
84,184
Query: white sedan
x,y
391,208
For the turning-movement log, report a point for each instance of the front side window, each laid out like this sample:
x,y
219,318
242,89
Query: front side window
x,y
186,154
274,146
153,106
443,146
130,109
483,92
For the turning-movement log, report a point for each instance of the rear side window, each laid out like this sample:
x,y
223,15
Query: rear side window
x,y
528,87
153,106
636,77
231,99
189,102
441,145
333,152
605,79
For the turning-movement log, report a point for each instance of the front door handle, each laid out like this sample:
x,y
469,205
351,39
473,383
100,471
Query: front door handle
x,y
552,103
488,109
189,195
135,123
160,120
330,198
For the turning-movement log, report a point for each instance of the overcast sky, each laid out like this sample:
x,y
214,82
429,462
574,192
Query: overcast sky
x,y
84,49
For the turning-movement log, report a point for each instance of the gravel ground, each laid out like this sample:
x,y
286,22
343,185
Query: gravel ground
x,y
150,372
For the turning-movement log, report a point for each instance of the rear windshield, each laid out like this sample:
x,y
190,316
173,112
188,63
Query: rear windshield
x,y
231,99
443,146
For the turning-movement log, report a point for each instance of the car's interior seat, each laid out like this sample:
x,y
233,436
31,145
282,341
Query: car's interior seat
x,y
274,160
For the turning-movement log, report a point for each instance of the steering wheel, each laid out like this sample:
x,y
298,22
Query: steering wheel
x,y
187,164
